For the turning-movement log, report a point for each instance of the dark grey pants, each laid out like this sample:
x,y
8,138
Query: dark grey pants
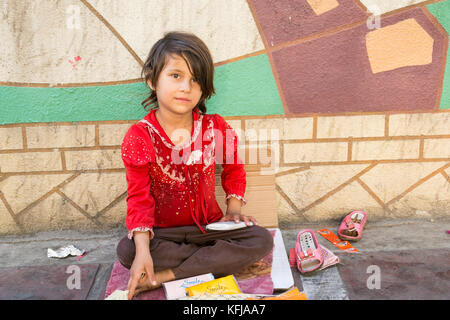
x,y
189,252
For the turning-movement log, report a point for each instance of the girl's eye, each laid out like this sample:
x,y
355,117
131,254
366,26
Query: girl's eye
x,y
176,75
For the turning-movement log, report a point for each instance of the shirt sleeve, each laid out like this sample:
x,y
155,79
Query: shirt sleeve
x,y
233,177
137,153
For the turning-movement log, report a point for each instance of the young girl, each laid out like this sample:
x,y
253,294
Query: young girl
x,y
170,157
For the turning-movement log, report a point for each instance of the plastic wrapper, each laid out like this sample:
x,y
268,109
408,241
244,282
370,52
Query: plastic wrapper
x,y
64,252
176,289
334,239
225,285
236,296
293,294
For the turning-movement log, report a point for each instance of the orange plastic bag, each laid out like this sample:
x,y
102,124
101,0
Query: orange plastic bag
x,y
334,239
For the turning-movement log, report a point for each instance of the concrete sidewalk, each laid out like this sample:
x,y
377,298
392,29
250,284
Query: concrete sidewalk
x,y
409,257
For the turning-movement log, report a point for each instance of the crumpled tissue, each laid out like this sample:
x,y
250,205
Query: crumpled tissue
x,y
65,251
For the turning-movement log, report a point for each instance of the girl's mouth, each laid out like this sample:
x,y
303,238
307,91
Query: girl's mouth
x,y
182,99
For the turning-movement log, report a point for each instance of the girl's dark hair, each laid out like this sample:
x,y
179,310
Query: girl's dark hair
x,y
198,59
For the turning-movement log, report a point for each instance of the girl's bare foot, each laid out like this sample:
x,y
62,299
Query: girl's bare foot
x,y
161,277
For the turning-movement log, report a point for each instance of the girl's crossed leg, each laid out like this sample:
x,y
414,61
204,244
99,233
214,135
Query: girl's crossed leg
x,y
186,251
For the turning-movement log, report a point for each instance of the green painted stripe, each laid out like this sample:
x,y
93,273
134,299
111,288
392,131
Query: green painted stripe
x,y
441,10
25,104
244,87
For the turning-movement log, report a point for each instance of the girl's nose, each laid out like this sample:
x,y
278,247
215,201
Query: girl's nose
x,y
186,86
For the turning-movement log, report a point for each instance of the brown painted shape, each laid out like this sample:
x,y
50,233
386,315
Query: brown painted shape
x,y
333,74
45,282
287,20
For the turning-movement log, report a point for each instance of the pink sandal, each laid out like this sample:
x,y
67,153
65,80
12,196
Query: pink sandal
x,y
308,251
354,221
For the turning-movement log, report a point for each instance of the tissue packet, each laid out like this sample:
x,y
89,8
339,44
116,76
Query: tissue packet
x,y
177,288
224,285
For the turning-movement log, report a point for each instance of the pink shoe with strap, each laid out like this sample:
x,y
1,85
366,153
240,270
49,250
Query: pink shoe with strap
x,y
353,222
308,252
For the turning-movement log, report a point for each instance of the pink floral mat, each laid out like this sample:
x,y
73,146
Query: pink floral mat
x,y
255,279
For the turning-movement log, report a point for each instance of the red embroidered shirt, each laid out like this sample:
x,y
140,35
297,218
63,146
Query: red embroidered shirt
x,y
174,185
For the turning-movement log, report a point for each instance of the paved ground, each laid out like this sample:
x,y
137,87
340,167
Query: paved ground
x,y
399,259
411,257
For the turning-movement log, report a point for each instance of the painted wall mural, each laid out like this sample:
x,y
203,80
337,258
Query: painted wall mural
x,y
359,91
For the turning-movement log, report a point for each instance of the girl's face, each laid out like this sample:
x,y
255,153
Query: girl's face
x,y
177,90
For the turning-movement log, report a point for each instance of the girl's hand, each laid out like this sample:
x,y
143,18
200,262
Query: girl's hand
x,y
141,274
234,213
236,216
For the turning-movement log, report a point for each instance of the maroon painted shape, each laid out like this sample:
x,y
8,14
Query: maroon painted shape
x,y
287,20
45,282
406,275
333,74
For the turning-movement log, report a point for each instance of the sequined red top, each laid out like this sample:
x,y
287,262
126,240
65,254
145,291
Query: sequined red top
x,y
170,185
